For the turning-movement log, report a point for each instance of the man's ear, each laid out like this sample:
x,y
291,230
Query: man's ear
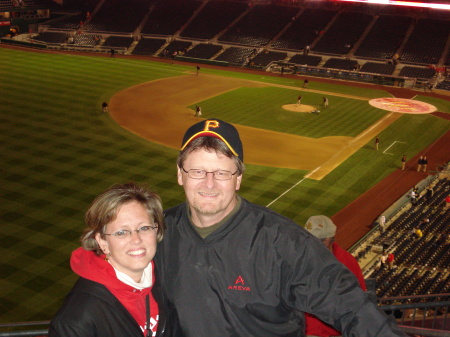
x,y
180,176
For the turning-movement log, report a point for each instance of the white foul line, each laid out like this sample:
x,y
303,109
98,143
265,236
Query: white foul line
x,y
270,203
390,147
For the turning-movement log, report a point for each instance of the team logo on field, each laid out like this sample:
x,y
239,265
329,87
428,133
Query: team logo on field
x,y
239,285
402,105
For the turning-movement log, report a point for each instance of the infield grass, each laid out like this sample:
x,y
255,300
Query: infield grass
x,y
59,151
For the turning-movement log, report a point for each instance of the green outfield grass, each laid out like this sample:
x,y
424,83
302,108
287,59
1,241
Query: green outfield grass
x,y
59,151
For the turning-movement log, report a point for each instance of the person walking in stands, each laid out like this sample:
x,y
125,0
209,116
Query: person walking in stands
x,y
419,163
231,268
324,229
118,293
447,202
413,196
403,162
390,260
382,223
377,143
429,194
424,164
299,100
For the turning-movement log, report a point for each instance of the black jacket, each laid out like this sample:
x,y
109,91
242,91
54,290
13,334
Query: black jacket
x,y
91,310
256,275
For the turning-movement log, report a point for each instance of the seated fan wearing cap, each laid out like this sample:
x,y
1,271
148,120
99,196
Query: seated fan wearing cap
x,y
232,268
324,229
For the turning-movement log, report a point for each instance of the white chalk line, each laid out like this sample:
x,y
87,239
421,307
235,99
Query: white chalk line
x,y
397,141
319,167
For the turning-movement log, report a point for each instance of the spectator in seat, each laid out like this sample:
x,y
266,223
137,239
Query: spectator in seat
x,y
324,229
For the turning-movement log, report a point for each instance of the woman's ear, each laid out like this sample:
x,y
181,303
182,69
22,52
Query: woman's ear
x,y
102,243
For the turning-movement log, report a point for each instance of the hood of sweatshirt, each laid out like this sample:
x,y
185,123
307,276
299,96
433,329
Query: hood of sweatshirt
x,y
95,268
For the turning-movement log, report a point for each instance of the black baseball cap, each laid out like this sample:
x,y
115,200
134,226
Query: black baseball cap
x,y
218,129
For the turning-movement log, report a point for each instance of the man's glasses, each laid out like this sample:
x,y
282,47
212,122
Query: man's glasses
x,y
201,174
126,233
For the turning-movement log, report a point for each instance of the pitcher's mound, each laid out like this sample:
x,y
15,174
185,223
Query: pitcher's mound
x,y
298,108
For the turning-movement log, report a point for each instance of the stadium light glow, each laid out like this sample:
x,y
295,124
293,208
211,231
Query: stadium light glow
x,y
404,3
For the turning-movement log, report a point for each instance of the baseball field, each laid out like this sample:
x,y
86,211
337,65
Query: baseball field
x,y
59,150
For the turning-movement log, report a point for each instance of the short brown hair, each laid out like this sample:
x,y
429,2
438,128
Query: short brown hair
x,y
210,144
105,207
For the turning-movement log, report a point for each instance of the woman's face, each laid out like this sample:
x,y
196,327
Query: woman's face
x,y
130,254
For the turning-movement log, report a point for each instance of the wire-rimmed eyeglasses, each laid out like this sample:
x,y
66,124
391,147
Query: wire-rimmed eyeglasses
x,y
201,174
126,233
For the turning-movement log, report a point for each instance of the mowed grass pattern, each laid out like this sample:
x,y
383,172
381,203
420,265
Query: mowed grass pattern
x,y
343,117
59,151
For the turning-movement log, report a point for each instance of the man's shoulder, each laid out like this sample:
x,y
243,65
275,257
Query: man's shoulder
x,y
175,210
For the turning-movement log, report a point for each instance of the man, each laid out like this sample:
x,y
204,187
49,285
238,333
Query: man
x,y
403,162
198,111
382,223
419,163
233,268
424,164
324,229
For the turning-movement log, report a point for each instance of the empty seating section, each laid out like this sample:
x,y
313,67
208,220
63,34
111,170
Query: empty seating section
x,y
87,40
83,5
409,71
118,41
264,58
309,60
421,263
341,64
203,51
214,17
235,55
378,68
118,16
332,29
148,46
426,42
175,48
51,37
444,85
259,25
168,16
68,22
305,29
385,37
343,34
49,4
6,4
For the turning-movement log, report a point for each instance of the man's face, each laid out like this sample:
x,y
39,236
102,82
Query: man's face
x,y
328,242
210,199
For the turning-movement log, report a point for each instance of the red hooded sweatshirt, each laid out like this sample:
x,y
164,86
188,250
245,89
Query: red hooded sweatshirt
x,y
95,268
314,326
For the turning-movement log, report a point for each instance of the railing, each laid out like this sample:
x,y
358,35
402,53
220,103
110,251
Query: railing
x,y
424,315
22,329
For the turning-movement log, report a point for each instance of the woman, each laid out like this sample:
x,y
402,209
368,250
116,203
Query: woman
x,y
116,294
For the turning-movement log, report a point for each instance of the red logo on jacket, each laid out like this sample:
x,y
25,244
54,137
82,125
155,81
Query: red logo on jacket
x,y
239,284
